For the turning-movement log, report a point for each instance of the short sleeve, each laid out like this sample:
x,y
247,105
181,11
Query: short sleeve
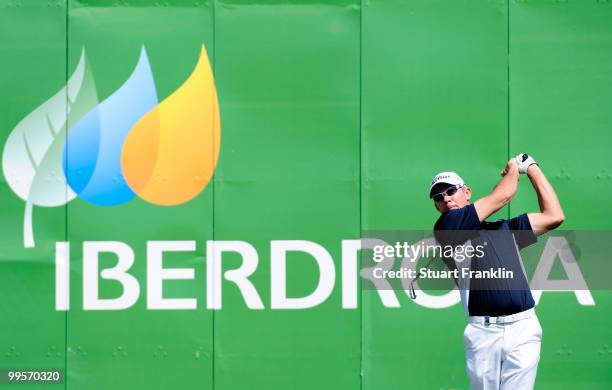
x,y
523,233
464,218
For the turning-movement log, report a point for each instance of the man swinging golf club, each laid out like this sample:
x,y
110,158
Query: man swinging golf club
x,y
503,335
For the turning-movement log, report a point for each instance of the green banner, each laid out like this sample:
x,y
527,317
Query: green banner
x,y
185,183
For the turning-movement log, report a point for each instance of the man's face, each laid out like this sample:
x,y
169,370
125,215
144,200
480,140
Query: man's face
x,y
459,199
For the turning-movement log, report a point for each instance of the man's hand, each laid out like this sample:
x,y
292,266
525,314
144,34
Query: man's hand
x,y
524,161
510,166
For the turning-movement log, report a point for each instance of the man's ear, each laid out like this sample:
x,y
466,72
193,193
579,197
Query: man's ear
x,y
468,193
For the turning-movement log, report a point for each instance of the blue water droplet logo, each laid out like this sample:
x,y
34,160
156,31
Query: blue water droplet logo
x,y
92,154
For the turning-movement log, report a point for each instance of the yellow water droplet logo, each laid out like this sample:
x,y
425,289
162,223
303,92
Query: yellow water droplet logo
x,y
171,153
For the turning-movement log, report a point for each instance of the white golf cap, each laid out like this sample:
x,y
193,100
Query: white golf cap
x,y
446,177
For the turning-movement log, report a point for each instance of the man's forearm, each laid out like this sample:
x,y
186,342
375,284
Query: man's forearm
x,y
506,188
547,198
501,194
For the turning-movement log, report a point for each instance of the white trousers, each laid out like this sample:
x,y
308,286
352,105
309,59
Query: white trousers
x,y
503,356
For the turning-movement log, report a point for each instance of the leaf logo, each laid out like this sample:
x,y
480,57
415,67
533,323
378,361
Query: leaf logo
x,y
32,158
126,146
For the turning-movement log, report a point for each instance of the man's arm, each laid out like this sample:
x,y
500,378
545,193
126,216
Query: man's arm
x,y
551,214
502,193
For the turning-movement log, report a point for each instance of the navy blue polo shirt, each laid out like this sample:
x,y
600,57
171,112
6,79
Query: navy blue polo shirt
x,y
501,241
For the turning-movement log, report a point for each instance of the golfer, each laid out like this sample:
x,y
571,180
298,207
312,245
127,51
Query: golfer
x,y
503,335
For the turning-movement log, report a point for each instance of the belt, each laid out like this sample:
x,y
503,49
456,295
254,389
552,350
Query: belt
x,y
487,320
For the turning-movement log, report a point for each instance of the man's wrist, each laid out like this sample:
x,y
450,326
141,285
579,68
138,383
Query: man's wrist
x,y
514,169
532,168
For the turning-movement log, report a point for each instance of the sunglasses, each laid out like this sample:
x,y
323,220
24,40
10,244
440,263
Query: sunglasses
x,y
450,191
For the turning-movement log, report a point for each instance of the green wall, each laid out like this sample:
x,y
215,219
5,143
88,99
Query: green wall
x,y
334,117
